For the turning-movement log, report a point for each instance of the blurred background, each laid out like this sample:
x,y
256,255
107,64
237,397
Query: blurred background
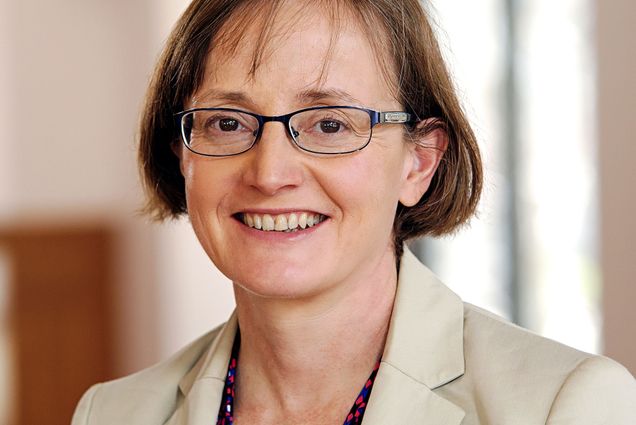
x,y
90,291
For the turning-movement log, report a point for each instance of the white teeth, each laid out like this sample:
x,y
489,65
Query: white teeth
x,y
268,223
292,221
283,222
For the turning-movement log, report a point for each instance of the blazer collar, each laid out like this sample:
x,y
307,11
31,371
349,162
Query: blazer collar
x,y
213,364
423,351
202,387
426,334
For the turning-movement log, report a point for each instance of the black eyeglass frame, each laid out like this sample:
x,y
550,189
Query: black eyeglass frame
x,y
377,117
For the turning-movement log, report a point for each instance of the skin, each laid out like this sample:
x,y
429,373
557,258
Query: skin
x,y
313,307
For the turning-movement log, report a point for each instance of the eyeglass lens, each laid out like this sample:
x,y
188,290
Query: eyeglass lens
x,y
227,132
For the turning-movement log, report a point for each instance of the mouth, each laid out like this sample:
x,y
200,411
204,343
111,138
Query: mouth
x,y
285,223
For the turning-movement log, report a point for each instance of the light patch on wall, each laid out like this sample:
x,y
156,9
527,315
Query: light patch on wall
x,y
559,175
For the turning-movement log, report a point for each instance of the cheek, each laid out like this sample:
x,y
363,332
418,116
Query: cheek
x,y
206,187
368,186
196,177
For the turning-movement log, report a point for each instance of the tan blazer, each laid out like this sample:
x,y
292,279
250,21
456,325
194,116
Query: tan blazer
x,y
445,362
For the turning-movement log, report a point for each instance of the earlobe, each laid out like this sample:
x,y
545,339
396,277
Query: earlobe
x,y
425,157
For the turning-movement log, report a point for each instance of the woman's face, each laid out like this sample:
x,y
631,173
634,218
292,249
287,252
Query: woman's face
x,y
357,194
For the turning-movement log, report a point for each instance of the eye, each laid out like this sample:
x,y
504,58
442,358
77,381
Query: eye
x,y
228,124
328,123
224,124
330,126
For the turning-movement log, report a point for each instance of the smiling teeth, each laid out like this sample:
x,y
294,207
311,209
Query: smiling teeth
x,y
282,222
268,223
258,222
292,221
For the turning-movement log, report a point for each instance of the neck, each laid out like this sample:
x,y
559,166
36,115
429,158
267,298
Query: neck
x,y
317,351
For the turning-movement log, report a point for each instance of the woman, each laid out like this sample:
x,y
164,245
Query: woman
x,y
307,141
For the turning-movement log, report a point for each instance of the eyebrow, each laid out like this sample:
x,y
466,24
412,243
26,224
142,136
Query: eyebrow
x,y
313,95
304,97
231,96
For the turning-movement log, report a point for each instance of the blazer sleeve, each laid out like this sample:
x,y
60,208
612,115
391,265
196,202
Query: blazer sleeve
x,y
598,391
83,410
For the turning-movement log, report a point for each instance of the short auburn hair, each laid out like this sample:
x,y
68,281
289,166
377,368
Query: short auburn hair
x,y
410,58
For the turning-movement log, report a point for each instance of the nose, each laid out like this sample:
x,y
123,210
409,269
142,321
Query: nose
x,y
274,163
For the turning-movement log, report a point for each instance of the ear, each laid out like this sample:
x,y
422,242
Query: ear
x,y
424,156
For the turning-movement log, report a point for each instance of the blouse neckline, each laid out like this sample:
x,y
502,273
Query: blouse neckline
x,y
226,409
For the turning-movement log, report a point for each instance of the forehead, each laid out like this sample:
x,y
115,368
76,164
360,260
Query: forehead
x,y
299,54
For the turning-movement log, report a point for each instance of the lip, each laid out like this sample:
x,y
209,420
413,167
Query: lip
x,y
278,211
274,236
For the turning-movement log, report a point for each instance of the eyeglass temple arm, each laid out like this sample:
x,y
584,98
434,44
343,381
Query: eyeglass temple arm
x,y
394,117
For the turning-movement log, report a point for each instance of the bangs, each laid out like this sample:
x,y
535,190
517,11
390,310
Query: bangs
x,y
262,20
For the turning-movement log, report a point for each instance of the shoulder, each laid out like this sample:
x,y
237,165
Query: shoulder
x,y
488,336
598,391
142,392
509,368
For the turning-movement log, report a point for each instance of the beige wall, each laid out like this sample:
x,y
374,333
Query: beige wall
x,y
72,77
7,136
616,38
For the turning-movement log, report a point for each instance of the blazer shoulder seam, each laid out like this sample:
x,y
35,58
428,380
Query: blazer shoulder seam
x,y
565,381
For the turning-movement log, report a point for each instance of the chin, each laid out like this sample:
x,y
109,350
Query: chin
x,y
280,283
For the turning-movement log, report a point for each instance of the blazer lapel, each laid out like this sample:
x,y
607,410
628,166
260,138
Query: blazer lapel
x,y
424,351
397,399
201,389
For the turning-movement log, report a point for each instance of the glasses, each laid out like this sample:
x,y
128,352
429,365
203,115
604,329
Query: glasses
x,y
329,130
